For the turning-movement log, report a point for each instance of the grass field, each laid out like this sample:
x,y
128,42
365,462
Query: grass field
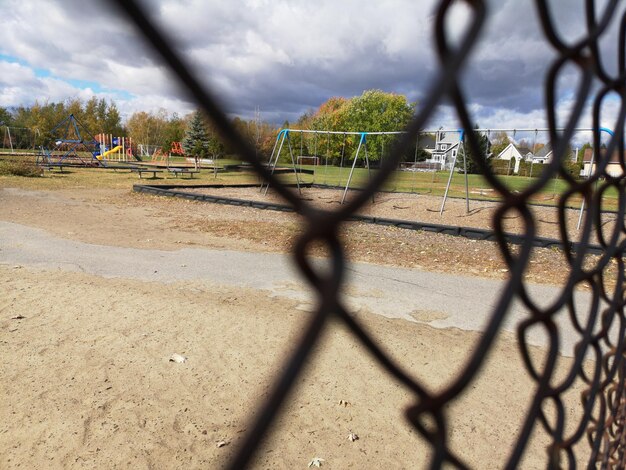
x,y
432,183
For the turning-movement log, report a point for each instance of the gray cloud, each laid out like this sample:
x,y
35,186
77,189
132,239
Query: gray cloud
x,y
287,56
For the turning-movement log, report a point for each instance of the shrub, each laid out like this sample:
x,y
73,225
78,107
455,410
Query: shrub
x,y
19,168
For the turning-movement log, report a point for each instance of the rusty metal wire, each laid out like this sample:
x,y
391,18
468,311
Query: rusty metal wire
x,y
600,330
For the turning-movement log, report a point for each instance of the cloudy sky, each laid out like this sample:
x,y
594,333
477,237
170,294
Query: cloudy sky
x,y
285,56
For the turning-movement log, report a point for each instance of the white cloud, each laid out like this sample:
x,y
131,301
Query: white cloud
x,y
285,56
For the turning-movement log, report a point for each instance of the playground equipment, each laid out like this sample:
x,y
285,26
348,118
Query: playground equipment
x,y
535,132
155,153
147,151
73,144
362,151
443,146
116,148
177,149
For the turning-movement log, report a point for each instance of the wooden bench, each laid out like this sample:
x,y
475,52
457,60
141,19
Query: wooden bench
x,y
141,171
183,171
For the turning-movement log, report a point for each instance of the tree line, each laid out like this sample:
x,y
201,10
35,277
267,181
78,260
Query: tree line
x,y
373,111
152,129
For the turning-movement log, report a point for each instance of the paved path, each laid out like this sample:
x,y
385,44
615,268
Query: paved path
x,y
441,300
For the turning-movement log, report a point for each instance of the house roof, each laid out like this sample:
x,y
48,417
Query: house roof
x,y
448,137
523,151
615,157
426,141
544,151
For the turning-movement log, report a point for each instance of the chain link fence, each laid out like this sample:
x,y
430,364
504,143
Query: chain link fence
x,y
599,330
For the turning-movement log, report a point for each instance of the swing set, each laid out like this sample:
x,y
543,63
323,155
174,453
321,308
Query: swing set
x,y
285,138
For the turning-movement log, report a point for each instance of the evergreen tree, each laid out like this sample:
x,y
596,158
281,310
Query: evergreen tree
x,y
113,120
196,140
472,165
5,117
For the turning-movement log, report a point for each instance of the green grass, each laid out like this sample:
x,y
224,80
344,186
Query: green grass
x,y
77,177
17,151
434,183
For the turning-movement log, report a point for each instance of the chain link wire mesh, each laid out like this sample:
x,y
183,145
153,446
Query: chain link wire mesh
x,y
600,330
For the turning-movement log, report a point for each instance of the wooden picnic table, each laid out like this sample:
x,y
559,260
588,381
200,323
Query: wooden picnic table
x,y
141,171
183,171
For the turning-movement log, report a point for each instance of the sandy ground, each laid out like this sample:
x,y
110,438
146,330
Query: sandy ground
x,y
87,382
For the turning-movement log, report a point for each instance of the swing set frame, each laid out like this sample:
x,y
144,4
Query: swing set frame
x,y
284,135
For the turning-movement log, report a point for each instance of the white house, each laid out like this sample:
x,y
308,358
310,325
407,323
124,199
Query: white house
x,y
543,155
613,167
516,153
446,148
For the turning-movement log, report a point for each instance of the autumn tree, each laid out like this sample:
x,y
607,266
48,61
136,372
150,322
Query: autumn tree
x,y
149,128
373,111
96,115
174,130
331,114
499,141
259,134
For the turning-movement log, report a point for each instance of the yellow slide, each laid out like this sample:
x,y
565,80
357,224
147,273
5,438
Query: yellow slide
x,y
113,150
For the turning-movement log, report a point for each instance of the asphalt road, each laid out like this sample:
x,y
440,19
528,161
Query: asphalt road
x,y
441,300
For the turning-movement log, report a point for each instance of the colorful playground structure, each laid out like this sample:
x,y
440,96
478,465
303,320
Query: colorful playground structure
x,y
115,148
73,145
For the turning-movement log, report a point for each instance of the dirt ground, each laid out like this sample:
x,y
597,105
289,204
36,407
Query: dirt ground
x,y
88,384
425,208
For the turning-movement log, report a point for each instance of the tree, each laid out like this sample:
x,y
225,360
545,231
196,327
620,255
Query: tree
x,y
112,120
330,114
499,142
148,128
5,117
174,130
260,134
196,140
373,111
215,146
471,158
377,111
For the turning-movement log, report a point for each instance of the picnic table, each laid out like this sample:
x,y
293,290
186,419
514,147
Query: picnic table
x,y
183,171
141,171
